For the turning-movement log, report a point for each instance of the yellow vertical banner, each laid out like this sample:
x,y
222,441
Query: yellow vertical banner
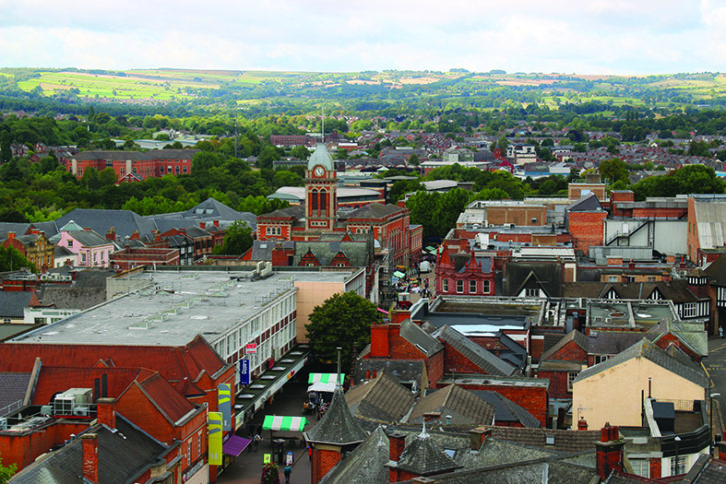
x,y
214,429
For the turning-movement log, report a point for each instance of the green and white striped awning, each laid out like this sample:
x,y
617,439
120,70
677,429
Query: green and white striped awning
x,y
274,422
324,378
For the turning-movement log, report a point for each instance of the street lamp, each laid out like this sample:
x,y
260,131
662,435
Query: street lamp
x,y
675,472
710,415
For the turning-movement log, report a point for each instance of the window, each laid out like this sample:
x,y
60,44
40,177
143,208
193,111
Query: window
x,y
570,378
485,287
472,287
445,285
273,230
613,278
83,257
601,358
70,243
689,310
459,286
531,292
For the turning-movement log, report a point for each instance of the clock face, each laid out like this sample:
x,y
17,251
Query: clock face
x,y
319,171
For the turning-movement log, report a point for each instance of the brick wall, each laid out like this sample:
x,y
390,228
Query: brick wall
x,y
558,383
533,399
587,229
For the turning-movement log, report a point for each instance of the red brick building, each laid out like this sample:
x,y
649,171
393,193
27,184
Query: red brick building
x,y
464,274
586,223
35,246
136,164
130,258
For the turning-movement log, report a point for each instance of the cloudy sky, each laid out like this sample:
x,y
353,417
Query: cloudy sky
x,y
569,36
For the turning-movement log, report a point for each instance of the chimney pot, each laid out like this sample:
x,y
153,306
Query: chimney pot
x,y
582,424
87,229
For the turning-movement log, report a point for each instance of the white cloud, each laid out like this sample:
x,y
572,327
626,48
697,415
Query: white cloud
x,y
599,36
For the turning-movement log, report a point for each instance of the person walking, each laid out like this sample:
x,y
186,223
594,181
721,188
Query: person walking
x,y
310,453
287,472
256,442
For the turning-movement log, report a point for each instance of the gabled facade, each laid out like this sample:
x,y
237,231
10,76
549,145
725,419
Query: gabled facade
x,y
91,249
35,247
464,274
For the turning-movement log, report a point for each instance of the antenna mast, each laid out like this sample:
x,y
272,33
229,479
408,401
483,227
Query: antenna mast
x,y
323,125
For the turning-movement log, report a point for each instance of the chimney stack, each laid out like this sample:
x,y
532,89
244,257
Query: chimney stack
x,y
721,450
11,235
90,457
609,451
111,233
106,412
396,444
478,436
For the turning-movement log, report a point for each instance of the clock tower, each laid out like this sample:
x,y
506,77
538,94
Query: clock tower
x,y
321,183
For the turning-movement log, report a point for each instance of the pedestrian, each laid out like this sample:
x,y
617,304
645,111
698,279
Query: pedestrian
x,y
287,472
720,331
310,453
256,441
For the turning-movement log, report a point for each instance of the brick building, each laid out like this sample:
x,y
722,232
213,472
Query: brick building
x,y
133,165
35,246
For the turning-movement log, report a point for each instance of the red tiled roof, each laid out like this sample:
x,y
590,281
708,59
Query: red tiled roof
x,y
164,397
174,363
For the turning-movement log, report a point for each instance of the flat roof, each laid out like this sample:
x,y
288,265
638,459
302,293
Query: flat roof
x,y
173,307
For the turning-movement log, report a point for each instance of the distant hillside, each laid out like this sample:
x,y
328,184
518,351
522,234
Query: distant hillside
x,y
290,92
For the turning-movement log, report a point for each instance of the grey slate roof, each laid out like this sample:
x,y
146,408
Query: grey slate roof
x,y
691,334
14,386
358,253
408,371
574,335
677,290
296,212
588,203
122,457
716,271
505,410
125,222
262,249
464,407
495,452
546,275
167,154
482,358
89,238
423,457
382,399
13,303
365,465
374,211
72,297
612,342
413,333
645,349
564,440
707,471
337,425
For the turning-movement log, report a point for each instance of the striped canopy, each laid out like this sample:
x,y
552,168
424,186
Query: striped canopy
x,y
324,378
274,422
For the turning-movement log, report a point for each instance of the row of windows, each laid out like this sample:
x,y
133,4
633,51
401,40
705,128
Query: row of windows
x,y
273,230
473,286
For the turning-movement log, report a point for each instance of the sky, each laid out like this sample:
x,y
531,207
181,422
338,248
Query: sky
x,y
565,36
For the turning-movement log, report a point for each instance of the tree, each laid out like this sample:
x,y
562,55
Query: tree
x,y
237,240
300,152
12,260
343,320
270,474
413,160
267,156
614,170
6,152
6,472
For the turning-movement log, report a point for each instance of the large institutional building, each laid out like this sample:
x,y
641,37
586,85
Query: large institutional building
x,y
319,214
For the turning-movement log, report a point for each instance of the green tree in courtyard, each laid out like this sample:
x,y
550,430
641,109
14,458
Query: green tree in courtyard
x,y
237,240
342,320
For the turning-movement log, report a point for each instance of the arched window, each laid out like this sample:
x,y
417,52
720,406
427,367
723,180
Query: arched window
x,y
323,201
314,200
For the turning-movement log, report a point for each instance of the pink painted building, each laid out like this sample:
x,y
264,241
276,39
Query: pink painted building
x,y
90,248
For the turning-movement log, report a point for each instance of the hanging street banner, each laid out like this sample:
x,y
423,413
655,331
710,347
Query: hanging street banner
x,y
224,404
214,429
244,371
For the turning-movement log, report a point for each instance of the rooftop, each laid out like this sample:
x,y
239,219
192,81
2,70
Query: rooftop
x,y
172,307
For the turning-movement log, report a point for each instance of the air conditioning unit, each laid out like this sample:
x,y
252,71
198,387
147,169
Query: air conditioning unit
x,y
46,410
3,423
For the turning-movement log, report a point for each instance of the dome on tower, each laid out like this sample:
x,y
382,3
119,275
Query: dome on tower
x,y
321,156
